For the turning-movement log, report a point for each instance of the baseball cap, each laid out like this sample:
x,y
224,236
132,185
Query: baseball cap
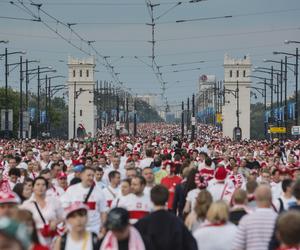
x,y
75,206
9,197
117,219
78,168
62,175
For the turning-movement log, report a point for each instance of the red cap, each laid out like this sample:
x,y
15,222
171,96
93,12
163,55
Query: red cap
x,y
62,175
9,197
220,173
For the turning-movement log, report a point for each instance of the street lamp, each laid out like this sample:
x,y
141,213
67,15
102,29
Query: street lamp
x,y
290,41
296,78
6,54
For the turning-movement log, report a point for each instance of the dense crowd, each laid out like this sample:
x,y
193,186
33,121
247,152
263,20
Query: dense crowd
x,y
155,191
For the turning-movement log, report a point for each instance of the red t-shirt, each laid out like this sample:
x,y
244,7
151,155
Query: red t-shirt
x,y
170,183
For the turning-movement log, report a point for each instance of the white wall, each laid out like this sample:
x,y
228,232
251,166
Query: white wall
x,y
230,82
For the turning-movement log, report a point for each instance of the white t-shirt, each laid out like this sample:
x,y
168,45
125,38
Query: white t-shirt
x,y
145,162
221,191
276,189
110,194
137,206
286,202
55,191
215,237
191,197
96,203
78,245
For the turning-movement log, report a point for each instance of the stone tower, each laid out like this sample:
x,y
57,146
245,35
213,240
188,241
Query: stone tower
x,y
82,111
237,77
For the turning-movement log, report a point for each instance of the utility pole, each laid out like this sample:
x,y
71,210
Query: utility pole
x,y
193,118
285,92
21,98
296,94
188,115
6,96
118,117
38,104
182,119
127,111
237,104
135,118
74,112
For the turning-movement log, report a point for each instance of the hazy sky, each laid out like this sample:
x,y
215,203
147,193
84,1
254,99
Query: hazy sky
x,y
119,28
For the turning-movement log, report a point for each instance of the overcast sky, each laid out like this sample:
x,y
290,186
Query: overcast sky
x,y
119,28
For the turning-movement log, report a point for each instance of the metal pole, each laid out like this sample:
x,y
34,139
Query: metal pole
x,y
118,117
38,104
193,118
237,104
296,94
26,95
281,88
6,96
271,86
277,87
127,112
188,114
46,103
21,98
182,119
285,92
74,112
265,106
135,118
49,107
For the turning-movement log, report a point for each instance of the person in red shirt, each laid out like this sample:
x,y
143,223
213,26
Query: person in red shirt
x,y
170,181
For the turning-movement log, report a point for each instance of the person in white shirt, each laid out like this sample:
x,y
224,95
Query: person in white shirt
x,y
219,188
146,162
114,166
14,174
216,232
98,178
150,181
52,191
92,196
125,190
286,199
112,190
276,184
45,161
137,203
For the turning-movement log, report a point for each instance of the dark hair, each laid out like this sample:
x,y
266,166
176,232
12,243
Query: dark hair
x,y
74,181
18,189
285,184
275,171
149,152
190,182
141,179
40,178
28,179
128,180
113,174
98,169
87,168
288,228
45,171
54,164
296,189
208,161
14,171
159,195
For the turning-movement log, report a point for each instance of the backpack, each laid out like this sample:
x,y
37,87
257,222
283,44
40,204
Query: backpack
x,y
95,242
281,207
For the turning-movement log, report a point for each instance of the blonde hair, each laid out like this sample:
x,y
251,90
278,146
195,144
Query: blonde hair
x,y
218,212
203,202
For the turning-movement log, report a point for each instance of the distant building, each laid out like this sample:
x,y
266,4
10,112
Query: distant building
x,y
81,95
237,77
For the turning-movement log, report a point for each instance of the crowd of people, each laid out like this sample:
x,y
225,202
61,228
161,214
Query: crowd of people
x,y
155,191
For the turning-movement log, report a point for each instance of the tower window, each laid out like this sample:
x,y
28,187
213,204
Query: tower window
x,y
237,73
244,73
80,73
74,73
230,73
87,73
80,112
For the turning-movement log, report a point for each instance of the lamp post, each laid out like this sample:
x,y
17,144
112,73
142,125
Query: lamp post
x,y
296,55
6,54
182,119
193,118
